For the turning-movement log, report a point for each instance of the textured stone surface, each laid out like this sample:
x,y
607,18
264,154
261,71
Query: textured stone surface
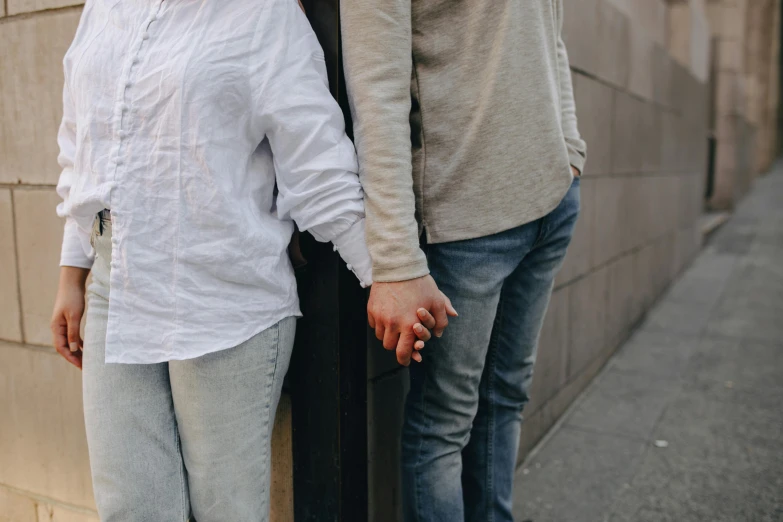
x,y
43,448
587,315
16,508
39,235
610,218
26,6
550,370
580,251
31,86
58,513
594,109
10,327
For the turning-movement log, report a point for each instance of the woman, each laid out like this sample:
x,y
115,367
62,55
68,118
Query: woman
x,y
197,133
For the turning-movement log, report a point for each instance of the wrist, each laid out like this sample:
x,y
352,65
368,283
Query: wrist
x,y
73,276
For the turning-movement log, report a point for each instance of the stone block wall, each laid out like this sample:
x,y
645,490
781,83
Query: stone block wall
x,y
644,115
44,468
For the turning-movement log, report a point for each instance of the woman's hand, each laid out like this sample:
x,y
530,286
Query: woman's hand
x,y
67,316
422,332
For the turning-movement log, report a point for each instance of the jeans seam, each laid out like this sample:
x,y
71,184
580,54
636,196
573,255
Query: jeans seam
x,y
491,410
183,490
269,425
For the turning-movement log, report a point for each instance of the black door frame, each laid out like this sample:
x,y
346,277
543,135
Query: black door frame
x,y
328,376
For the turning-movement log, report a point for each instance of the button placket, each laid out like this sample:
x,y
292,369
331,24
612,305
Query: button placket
x,y
124,108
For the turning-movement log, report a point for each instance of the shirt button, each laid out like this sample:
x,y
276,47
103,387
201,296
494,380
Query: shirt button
x,y
135,60
124,107
145,36
349,266
334,248
153,18
121,134
363,284
119,161
128,84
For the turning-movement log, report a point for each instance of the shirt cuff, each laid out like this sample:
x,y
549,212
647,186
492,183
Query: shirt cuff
x,y
73,253
352,247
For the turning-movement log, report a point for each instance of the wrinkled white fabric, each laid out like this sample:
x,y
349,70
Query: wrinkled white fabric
x,y
180,117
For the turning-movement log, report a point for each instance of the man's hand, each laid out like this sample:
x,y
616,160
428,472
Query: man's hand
x,y
392,312
67,316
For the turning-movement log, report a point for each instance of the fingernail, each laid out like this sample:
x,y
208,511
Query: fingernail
x,y
418,328
74,347
438,334
416,357
421,312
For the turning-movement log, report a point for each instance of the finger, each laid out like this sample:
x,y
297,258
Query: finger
x,y
426,318
371,320
74,337
416,356
418,345
450,310
390,339
71,357
421,332
405,348
441,320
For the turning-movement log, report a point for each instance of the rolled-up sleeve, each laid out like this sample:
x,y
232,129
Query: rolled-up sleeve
x,y
74,238
315,161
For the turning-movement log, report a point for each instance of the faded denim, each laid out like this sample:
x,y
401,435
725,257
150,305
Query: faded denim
x,y
180,439
463,414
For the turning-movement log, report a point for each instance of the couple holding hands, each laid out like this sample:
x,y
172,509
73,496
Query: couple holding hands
x,y
197,134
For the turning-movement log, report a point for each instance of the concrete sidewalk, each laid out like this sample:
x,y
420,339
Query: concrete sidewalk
x,y
685,423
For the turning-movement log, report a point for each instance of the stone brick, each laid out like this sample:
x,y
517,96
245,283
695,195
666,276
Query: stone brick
x,y
58,513
620,300
640,78
552,357
661,76
594,106
613,44
627,132
580,32
385,399
610,219
578,261
672,148
642,280
15,507
39,236
587,315
26,6
10,328
649,138
730,96
31,84
43,444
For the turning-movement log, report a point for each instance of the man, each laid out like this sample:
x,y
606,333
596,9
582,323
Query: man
x,y
465,126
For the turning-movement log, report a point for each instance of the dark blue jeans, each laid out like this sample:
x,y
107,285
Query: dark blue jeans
x,y
463,414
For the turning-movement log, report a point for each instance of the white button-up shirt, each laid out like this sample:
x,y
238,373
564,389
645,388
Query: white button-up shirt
x,y
182,117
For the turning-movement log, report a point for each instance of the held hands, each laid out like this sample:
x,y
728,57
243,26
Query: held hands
x,y
399,314
67,316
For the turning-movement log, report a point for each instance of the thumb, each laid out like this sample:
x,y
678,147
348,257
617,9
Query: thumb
x,y
74,340
450,309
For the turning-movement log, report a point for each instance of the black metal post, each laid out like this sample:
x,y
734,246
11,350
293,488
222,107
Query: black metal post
x,y
328,376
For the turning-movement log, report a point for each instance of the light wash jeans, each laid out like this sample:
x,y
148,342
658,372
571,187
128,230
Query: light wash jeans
x,y
181,439
463,414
